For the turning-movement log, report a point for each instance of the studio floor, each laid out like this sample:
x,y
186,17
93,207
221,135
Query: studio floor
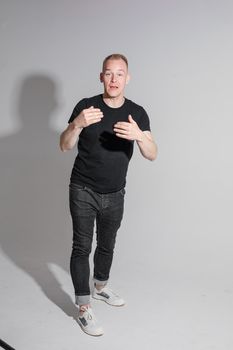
x,y
162,312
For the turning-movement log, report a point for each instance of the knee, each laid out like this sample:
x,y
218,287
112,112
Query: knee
x,y
81,249
106,249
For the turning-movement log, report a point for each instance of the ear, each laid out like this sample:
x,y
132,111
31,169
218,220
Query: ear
x,y
101,77
127,78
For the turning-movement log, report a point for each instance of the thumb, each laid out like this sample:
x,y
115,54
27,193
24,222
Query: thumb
x,y
131,119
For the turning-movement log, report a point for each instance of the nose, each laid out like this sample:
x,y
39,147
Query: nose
x,y
113,77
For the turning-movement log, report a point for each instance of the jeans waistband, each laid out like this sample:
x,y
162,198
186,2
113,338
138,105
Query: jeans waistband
x,y
83,187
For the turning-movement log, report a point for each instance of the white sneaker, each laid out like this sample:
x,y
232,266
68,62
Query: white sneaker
x,y
89,323
107,295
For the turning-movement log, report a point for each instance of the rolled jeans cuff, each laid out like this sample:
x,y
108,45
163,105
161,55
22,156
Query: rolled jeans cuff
x,y
82,299
100,283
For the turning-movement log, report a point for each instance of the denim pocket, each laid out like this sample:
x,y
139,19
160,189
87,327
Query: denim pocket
x,y
76,187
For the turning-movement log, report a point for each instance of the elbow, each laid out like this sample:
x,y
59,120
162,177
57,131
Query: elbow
x,y
64,145
65,148
61,143
153,156
152,153
150,156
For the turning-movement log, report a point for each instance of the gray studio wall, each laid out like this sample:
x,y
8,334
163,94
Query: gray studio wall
x,y
178,209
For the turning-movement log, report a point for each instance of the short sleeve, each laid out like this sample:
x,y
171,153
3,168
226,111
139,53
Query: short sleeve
x,y
144,121
77,109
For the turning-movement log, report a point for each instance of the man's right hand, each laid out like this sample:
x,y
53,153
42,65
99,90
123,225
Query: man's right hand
x,y
87,117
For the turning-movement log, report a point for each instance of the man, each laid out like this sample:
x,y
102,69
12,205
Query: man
x,y
107,126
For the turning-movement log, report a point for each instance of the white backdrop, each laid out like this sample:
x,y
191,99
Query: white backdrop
x,y
178,216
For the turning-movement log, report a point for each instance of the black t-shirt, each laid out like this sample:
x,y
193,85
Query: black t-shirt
x,y
103,158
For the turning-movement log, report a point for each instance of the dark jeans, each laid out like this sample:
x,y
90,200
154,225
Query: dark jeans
x,y
86,206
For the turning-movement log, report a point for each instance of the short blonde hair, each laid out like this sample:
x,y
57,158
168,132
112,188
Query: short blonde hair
x,y
115,56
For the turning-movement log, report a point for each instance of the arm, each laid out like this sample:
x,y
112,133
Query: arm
x,y
131,131
147,146
70,135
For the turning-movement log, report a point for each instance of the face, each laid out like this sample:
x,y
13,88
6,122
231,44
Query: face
x,y
114,77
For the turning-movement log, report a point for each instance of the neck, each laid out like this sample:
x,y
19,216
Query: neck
x,y
114,102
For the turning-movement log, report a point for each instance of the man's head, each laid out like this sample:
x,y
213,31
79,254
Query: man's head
x,y
115,56
114,75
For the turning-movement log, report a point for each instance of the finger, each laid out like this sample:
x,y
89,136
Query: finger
x,y
94,114
116,129
122,124
131,119
94,121
126,137
97,117
121,127
93,109
121,131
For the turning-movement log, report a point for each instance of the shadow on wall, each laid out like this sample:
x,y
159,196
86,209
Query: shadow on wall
x,y
34,192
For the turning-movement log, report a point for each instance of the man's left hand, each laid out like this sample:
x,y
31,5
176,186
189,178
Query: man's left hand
x,y
128,130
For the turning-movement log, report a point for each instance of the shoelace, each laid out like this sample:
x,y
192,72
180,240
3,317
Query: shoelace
x,y
85,310
89,316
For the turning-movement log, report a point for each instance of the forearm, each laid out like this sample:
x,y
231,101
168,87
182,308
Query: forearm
x,y
85,118
147,146
69,137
